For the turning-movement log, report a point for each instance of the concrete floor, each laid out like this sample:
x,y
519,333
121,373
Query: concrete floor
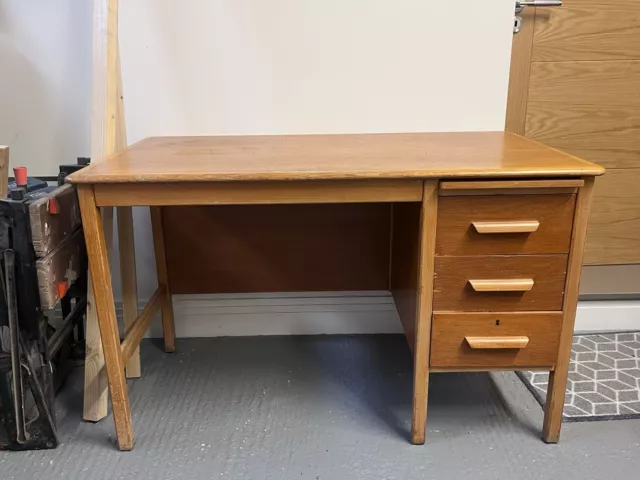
x,y
322,407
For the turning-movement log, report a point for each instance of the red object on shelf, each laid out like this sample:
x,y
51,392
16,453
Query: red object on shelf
x,y
20,174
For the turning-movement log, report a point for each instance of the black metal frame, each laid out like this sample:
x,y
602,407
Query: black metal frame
x,y
34,356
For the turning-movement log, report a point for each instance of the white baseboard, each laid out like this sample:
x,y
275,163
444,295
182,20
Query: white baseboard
x,y
312,313
338,313
608,316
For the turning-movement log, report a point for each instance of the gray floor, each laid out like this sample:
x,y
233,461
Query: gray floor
x,y
320,408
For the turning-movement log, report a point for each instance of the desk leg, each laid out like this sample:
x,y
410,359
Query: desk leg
x,y
106,312
558,378
424,308
168,325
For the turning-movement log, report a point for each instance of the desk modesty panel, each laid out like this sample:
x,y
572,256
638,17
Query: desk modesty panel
x,y
479,236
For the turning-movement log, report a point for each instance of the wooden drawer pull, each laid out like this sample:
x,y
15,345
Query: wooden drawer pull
x,y
514,285
506,227
497,342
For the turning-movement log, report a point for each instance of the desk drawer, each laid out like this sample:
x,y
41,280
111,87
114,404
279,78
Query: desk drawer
x,y
499,283
504,224
495,339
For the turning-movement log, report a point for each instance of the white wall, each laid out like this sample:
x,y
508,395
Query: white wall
x,y
294,66
252,66
300,66
45,81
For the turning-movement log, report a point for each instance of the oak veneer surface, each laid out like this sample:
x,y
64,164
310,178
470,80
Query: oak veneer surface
x,y
450,349
452,290
317,157
278,248
457,236
405,258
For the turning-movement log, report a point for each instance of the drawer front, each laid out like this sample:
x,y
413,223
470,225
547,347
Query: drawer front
x,y
495,339
499,283
499,224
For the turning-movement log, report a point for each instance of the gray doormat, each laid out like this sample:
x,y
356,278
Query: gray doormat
x,y
604,378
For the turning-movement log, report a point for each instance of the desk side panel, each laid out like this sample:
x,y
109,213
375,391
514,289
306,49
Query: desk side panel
x,y
405,260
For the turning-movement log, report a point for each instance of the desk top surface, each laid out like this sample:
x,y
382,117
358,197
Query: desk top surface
x,y
328,157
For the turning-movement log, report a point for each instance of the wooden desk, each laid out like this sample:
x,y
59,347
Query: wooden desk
x,y
487,235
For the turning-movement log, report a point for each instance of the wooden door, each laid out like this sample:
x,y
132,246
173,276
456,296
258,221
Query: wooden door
x,y
575,85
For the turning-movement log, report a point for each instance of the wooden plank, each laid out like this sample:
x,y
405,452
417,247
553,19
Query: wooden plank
x,y
59,269
614,229
451,348
95,378
126,240
254,193
509,191
108,323
521,48
4,170
558,378
334,157
424,308
51,227
588,30
128,279
452,291
107,137
159,239
136,330
405,261
457,234
522,185
271,248
588,109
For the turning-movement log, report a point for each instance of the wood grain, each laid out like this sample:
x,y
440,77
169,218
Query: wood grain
x,y
255,193
334,157
588,30
103,298
405,260
510,285
271,248
103,138
135,332
497,343
128,279
424,309
515,226
521,48
4,170
108,136
457,235
558,378
164,282
452,290
49,229
588,109
460,187
126,239
614,228
449,349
